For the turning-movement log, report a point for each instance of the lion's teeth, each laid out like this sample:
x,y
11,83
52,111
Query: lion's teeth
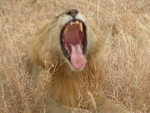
x,y
72,23
68,51
81,27
66,29
77,22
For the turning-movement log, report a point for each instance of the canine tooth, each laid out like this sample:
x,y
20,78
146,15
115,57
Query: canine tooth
x,y
66,29
72,23
81,27
68,51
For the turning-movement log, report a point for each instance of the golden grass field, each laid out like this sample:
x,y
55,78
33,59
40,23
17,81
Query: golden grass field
x,y
125,25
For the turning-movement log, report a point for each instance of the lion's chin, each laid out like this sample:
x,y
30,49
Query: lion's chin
x,y
76,69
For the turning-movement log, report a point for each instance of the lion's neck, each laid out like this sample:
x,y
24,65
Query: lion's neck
x,y
75,88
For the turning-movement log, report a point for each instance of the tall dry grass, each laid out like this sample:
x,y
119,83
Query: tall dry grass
x,y
126,28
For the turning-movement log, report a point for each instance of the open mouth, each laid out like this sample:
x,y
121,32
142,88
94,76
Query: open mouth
x,y
74,43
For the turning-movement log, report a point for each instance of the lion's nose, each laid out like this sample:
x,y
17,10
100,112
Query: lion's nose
x,y
72,12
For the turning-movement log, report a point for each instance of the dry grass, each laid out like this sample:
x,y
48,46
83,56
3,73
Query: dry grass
x,y
126,27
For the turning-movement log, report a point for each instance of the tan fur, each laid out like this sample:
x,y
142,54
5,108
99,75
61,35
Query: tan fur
x,y
82,89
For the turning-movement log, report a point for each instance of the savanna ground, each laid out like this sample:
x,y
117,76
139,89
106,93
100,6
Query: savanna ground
x,y
125,25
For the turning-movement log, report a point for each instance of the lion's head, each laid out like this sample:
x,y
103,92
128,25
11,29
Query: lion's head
x,y
71,37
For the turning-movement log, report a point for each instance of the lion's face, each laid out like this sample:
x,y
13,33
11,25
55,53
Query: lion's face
x,y
76,37
71,36
73,39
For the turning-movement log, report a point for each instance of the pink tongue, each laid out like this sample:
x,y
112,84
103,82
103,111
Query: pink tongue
x,y
77,58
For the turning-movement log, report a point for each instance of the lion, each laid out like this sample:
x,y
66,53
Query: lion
x,y
69,46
